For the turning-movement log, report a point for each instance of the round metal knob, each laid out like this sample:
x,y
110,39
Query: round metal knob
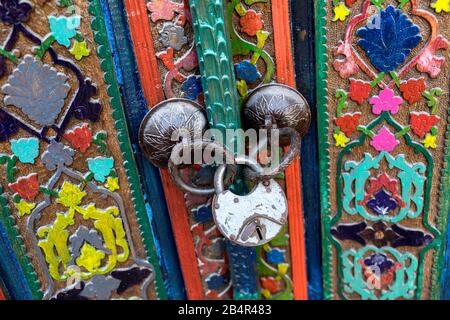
x,y
285,106
165,125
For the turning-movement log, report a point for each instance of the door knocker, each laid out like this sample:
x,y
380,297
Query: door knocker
x,y
248,220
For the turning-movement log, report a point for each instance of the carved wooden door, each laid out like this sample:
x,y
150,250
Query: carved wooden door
x,y
383,79
73,219
257,38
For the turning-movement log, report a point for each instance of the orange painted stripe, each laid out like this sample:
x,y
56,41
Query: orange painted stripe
x,y
144,51
183,238
153,91
286,75
2,296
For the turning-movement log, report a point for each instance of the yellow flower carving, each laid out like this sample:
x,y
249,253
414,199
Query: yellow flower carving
x,y
283,268
341,139
441,5
430,141
80,50
112,184
70,195
90,258
266,293
24,207
340,12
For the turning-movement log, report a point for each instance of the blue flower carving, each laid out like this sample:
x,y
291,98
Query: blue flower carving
x,y
203,214
247,71
26,149
382,203
101,167
64,28
388,38
275,256
192,87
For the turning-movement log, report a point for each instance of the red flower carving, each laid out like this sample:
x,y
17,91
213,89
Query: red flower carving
x,y
251,23
167,58
359,90
271,284
412,89
27,187
429,62
422,122
80,137
348,123
350,3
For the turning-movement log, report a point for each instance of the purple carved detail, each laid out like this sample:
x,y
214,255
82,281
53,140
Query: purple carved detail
x,y
382,203
14,11
350,232
8,126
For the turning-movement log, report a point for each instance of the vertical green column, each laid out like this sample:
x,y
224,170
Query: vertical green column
x,y
216,63
222,104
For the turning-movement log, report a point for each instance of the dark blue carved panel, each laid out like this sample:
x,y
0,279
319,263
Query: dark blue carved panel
x,y
302,15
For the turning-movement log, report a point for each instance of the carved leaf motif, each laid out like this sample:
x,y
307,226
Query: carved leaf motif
x,y
37,89
389,38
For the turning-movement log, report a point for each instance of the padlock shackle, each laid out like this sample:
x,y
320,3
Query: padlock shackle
x,y
219,176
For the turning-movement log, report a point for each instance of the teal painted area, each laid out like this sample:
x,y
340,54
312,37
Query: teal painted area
x,y
411,178
26,149
216,64
101,167
404,283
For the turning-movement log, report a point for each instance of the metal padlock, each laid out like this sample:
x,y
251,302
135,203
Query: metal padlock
x,y
253,219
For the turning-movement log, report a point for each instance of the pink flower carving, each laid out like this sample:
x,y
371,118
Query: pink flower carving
x,y
428,61
386,101
384,140
164,9
347,66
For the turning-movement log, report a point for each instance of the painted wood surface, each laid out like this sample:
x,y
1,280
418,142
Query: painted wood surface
x,y
136,108
154,93
175,58
286,75
46,203
215,58
305,65
383,140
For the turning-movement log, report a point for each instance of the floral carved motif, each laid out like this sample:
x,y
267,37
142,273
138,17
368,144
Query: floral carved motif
x,y
61,189
388,66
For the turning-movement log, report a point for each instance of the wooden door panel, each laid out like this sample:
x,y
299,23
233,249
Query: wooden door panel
x,y
71,199
383,79
260,35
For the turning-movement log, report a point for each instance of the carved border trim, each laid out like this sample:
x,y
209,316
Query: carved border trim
x,y
324,162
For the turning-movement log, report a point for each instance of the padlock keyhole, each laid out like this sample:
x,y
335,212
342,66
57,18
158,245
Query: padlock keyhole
x,y
259,233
